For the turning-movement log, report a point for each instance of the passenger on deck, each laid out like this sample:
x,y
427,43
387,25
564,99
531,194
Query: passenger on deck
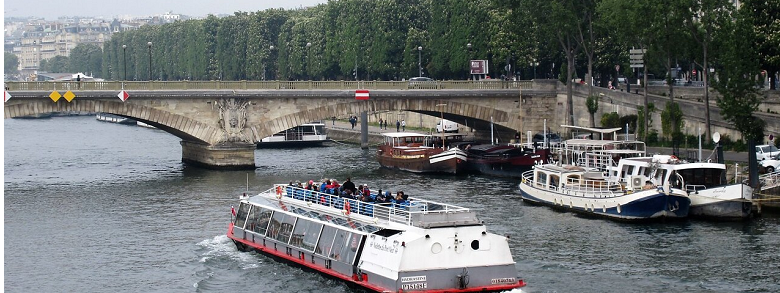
x,y
349,185
380,197
324,185
648,185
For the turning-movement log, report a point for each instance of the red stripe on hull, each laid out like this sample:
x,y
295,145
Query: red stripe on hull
x,y
349,279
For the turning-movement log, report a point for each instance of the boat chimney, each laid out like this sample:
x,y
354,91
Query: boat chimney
x,y
752,163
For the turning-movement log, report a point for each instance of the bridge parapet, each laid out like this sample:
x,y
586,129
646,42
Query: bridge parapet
x,y
267,85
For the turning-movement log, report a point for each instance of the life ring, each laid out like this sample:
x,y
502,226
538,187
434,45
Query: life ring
x,y
278,190
346,207
673,158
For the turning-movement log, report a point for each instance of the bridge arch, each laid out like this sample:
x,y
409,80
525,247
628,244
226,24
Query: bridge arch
x,y
181,126
452,110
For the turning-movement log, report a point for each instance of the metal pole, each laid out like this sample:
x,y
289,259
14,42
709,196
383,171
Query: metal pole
x,y
150,60
124,60
492,141
419,60
699,133
364,130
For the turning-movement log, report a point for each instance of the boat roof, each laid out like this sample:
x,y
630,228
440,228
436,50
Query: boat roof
x,y
598,142
404,134
592,129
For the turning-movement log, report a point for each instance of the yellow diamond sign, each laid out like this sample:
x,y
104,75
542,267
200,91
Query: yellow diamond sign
x,y
55,96
69,96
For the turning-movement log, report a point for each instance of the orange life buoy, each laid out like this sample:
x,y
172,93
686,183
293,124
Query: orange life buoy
x,y
278,190
346,207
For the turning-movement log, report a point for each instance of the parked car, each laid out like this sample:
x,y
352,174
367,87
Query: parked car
x,y
766,151
770,165
421,82
552,138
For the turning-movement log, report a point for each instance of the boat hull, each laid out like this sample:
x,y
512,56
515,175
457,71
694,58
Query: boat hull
x,y
442,162
638,206
729,202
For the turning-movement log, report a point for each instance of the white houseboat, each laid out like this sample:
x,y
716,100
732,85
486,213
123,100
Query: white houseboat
x,y
424,246
587,191
307,134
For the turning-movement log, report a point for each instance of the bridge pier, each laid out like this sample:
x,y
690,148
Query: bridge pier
x,y
228,156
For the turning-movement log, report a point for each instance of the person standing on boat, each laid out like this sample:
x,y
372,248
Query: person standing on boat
x,y
349,185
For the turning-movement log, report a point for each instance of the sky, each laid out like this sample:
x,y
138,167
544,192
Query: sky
x,y
109,9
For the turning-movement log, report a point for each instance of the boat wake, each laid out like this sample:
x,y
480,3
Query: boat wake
x,y
222,247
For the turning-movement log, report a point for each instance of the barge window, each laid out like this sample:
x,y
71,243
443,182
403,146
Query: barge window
x,y
326,240
243,210
300,230
276,224
261,219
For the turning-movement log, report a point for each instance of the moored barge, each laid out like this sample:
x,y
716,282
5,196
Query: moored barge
x,y
422,246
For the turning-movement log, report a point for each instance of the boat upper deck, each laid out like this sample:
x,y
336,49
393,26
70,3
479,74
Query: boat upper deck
x,y
365,216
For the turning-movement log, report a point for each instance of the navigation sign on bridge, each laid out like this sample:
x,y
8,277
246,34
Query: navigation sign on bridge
x,y
361,95
6,96
69,96
55,96
123,95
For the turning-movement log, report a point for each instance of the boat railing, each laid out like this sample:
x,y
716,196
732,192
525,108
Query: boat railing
x,y
694,187
403,212
769,180
577,187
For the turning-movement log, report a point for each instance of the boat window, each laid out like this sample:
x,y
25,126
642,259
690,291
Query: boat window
x,y
338,244
243,211
276,224
300,231
644,171
387,232
541,179
286,229
351,247
572,179
630,170
554,179
326,240
258,220
311,236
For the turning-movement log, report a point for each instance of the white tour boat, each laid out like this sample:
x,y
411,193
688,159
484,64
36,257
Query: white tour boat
x,y
307,134
423,246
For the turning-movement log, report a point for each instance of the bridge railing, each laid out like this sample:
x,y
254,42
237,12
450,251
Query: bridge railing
x,y
265,85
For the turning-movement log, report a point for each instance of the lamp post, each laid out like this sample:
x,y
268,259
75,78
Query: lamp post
x,y
265,66
149,44
419,60
124,60
534,64
468,46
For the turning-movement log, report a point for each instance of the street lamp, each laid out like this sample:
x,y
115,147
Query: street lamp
x,y
468,46
149,44
534,64
419,59
124,60
271,50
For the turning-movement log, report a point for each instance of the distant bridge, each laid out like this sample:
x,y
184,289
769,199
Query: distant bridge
x,y
220,122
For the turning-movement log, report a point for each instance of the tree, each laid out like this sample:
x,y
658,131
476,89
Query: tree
x,y
643,120
87,58
11,63
736,81
671,119
593,106
708,16
610,120
56,64
764,20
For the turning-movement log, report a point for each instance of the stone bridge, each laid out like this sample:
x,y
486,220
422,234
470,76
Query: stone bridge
x,y
219,127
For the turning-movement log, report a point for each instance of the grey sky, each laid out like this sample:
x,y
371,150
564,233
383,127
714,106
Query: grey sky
x,y
51,9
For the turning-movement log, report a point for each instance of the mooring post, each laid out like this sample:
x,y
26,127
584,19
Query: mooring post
x,y
364,130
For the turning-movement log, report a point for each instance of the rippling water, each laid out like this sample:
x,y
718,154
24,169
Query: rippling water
x,y
99,207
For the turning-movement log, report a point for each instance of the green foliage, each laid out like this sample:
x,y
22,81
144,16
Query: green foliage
x,y
56,64
736,83
592,103
11,63
671,119
86,58
630,120
641,119
610,120
652,137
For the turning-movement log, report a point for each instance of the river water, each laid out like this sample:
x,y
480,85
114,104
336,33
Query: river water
x,y
99,207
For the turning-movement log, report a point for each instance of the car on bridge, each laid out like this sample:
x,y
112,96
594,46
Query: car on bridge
x,y
421,82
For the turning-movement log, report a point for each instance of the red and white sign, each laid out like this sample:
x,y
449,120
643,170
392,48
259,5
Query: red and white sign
x,y
361,94
6,96
123,95
478,66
